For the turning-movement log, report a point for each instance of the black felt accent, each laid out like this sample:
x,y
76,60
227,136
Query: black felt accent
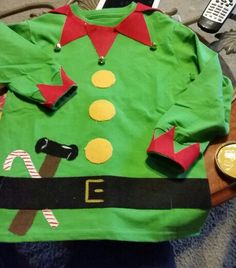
x,y
120,192
69,152
122,3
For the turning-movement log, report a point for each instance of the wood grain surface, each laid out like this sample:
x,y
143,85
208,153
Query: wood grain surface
x,y
222,188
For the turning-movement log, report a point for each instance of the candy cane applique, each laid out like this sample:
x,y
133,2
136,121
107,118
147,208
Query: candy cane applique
x,y
48,214
27,161
50,217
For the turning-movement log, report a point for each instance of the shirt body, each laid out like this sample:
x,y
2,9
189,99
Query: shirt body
x,y
177,85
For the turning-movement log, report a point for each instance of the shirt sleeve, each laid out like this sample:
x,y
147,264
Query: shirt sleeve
x,y
30,72
200,110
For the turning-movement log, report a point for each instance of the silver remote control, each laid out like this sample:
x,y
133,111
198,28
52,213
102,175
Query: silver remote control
x,y
215,14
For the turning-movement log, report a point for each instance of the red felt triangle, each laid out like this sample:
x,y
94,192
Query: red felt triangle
x,y
74,28
134,26
188,155
52,93
102,38
164,145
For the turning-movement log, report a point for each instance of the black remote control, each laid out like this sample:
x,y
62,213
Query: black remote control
x,y
215,14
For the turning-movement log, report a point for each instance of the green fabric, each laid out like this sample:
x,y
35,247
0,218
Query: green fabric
x,y
179,84
24,65
198,91
109,223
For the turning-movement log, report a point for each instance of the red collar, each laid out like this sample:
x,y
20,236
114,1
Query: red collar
x,y
102,37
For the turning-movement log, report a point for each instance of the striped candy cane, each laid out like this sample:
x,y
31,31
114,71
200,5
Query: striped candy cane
x,y
48,214
27,161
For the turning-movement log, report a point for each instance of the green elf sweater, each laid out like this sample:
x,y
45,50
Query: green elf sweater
x,y
107,116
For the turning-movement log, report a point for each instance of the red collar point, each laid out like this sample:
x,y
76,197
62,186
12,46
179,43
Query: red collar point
x,y
102,37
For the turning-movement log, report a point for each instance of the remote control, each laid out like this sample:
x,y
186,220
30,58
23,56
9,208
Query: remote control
x,y
215,14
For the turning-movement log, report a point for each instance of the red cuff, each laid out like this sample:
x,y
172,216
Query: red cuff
x,y
53,94
164,145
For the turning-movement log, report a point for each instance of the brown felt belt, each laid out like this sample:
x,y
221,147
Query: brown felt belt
x,y
103,191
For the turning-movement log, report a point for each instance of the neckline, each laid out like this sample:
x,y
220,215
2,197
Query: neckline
x,y
102,35
89,16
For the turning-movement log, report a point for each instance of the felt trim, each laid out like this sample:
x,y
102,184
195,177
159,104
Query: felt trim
x,y
102,110
103,79
102,192
53,148
134,27
23,221
102,37
56,95
164,145
98,151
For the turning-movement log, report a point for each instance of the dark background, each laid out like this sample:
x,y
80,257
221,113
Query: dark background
x,y
121,3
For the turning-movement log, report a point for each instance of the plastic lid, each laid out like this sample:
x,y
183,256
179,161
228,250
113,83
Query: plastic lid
x,y
225,159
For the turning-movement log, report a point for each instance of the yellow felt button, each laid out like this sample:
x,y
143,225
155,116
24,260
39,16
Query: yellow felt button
x,y
102,110
98,150
103,79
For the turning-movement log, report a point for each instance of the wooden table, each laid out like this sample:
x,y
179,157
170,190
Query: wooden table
x,y
222,188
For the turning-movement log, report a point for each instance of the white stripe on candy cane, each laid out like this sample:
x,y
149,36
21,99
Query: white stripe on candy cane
x,y
27,161
48,214
51,219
